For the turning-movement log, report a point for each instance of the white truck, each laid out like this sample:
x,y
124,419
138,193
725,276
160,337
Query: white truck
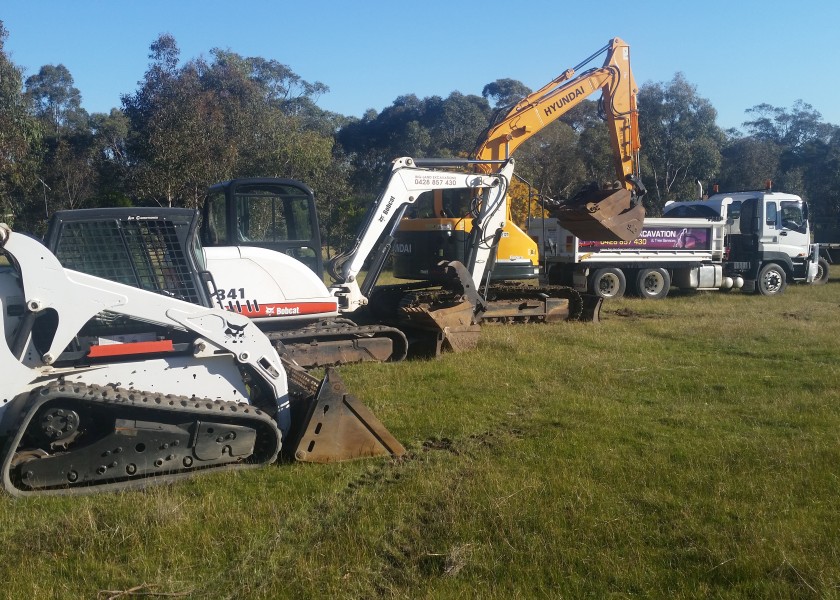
x,y
753,241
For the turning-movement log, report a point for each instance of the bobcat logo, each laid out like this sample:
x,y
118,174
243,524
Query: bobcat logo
x,y
237,332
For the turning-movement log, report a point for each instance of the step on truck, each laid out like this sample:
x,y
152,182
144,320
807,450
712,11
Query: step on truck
x,y
752,241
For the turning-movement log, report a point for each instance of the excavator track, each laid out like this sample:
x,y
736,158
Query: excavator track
x,y
340,341
512,303
78,439
451,319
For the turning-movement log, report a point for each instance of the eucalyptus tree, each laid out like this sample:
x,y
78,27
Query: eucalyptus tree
x,y
680,138
229,116
20,140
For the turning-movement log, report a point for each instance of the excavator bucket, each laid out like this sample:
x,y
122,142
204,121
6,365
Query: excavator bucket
x,y
436,316
602,215
334,426
453,325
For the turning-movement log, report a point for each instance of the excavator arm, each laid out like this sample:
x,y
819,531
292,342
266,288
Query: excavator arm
x,y
408,179
598,215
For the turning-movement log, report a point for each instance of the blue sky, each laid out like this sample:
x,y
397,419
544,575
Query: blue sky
x,y
737,53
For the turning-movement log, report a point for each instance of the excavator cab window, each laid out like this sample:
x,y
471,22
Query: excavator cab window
x,y
456,203
441,204
214,225
423,207
278,214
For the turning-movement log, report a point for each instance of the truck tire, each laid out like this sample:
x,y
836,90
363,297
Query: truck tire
x,y
822,272
772,280
608,283
653,284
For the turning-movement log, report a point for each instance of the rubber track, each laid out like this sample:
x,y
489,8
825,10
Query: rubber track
x,y
143,405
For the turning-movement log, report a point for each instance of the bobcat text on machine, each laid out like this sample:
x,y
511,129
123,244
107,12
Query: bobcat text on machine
x,y
755,241
110,386
439,228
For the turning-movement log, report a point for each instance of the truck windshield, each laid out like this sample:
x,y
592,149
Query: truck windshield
x,y
793,215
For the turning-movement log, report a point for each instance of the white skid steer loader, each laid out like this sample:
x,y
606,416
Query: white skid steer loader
x,y
109,387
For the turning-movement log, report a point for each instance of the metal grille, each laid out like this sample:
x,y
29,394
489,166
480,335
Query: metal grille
x,y
143,253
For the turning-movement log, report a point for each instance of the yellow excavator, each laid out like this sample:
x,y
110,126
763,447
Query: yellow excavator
x,y
439,226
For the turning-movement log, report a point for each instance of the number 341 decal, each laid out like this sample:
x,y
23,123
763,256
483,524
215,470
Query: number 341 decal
x,y
231,294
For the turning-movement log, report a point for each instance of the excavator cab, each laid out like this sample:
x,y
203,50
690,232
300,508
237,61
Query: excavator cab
x,y
277,214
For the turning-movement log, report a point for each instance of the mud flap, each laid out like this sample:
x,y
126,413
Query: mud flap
x,y
603,215
335,426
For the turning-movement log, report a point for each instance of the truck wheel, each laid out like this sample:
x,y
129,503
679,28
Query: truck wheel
x,y
822,272
771,280
653,284
608,283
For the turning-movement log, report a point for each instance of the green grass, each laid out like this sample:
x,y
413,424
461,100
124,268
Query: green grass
x,y
687,448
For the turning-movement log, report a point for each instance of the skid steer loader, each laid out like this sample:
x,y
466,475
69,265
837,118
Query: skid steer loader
x,y
109,386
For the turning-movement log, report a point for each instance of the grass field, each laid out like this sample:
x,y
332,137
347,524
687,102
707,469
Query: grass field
x,y
687,448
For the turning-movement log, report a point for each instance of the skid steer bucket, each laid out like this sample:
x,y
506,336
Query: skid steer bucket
x,y
334,426
603,215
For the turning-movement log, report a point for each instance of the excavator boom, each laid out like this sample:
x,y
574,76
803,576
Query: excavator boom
x,y
594,214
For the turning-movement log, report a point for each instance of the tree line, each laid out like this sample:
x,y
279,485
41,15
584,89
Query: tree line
x,y
193,123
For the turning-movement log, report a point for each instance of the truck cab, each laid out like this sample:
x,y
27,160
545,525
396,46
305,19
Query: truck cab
x,y
773,228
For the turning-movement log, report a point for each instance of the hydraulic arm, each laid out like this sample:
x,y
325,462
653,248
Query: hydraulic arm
x,y
603,213
594,215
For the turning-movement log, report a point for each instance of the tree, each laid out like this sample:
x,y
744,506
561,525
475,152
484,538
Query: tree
x,y
680,138
56,100
748,162
110,132
411,126
790,129
230,116
68,168
20,139
805,151
505,92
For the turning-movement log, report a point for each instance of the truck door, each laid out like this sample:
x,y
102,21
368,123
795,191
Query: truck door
x,y
785,227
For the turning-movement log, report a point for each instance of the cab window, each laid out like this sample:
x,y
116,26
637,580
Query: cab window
x,y
423,207
792,216
456,203
262,215
214,229
772,214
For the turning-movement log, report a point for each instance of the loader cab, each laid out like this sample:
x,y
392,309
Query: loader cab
x,y
154,249
277,214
